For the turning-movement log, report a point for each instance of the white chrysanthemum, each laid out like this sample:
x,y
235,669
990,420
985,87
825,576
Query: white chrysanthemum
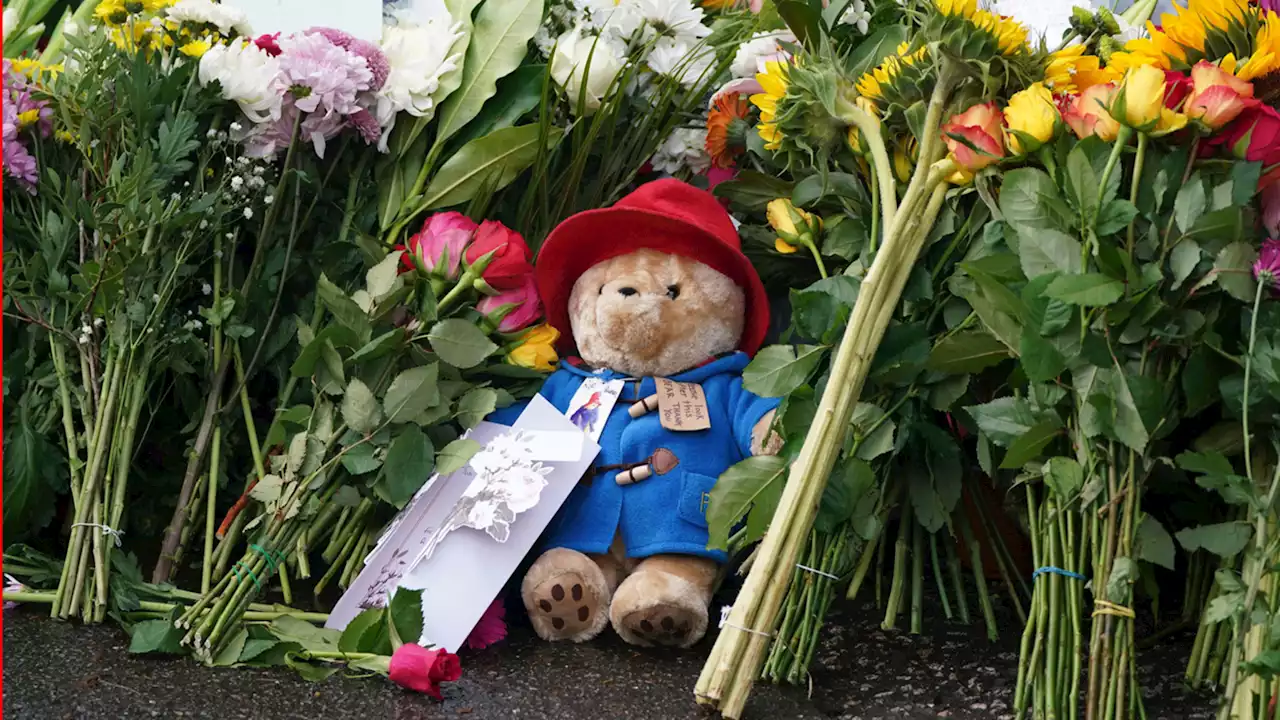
x,y
419,55
202,12
675,59
684,148
857,15
760,49
573,49
678,19
247,75
1044,18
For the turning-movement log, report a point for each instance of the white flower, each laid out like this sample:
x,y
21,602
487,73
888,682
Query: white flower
x,y
268,199
237,182
572,53
237,127
678,19
99,322
676,59
419,56
857,15
84,339
205,288
684,148
247,75
205,12
248,213
10,20
760,49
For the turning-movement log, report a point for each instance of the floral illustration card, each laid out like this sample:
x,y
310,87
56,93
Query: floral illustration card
x,y
463,535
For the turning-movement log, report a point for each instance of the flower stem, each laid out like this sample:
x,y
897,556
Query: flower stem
x,y
1135,185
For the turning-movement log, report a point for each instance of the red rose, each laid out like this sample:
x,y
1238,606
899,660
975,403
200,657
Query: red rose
x,y
1255,137
509,265
1177,86
417,668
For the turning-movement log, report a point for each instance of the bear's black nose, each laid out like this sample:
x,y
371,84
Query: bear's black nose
x,y
626,291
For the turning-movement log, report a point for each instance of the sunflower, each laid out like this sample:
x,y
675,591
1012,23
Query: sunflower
x,y
726,129
1070,71
1006,35
774,81
1238,35
874,85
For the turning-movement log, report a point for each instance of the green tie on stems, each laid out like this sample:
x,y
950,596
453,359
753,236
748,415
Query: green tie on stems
x,y
740,650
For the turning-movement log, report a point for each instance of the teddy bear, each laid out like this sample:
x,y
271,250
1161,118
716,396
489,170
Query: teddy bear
x,y
664,310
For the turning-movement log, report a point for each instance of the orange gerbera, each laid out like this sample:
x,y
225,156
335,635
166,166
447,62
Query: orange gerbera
x,y
726,127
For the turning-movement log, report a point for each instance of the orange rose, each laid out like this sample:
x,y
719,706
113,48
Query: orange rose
x,y
1217,97
975,137
1086,114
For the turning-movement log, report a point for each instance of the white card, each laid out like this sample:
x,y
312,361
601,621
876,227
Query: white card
x,y
591,404
361,18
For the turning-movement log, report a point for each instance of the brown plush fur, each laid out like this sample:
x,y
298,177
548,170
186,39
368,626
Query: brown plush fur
x,y
625,318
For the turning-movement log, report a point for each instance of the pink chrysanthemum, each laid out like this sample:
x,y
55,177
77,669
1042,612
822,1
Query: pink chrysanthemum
x,y
492,627
322,76
367,125
1267,267
371,53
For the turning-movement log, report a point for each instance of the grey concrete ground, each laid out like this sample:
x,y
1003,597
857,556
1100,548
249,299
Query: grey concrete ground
x,y
58,671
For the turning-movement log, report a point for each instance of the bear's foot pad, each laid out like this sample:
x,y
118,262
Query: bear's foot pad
x,y
565,608
663,625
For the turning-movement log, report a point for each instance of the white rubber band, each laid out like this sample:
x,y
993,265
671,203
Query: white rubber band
x,y
724,623
816,571
106,530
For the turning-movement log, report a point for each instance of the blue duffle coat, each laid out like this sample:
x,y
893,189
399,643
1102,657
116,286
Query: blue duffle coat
x,y
663,513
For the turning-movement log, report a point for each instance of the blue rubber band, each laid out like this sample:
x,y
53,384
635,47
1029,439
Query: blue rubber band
x,y
238,566
1057,571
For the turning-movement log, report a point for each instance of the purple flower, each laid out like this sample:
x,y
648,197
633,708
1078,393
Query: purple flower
x,y
367,125
372,54
322,76
22,111
11,584
1272,5
266,139
1267,268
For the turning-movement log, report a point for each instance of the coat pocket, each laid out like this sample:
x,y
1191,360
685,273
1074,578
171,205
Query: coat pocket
x,y
695,496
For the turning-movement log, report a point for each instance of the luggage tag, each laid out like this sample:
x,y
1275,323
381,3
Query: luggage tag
x,y
682,407
591,404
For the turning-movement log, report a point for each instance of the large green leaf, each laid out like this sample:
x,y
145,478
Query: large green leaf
x,y
409,462
411,392
967,352
499,41
1088,289
490,162
737,489
460,343
1155,545
360,409
33,470
1234,269
518,93
1045,250
1031,443
1030,199
1223,539
1006,419
780,369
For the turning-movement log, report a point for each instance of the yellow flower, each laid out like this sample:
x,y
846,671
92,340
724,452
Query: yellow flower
x,y
195,48
65,136
1033,114
961,8
1070,71
904,158
25,119
35,69
854,135
774,82
1010,35
872,84
960,177
536,350
783,218
1143,94
111,12
1266,51
1170,122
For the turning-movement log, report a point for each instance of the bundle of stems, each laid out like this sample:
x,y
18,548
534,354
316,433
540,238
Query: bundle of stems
x,y
827,560
740,650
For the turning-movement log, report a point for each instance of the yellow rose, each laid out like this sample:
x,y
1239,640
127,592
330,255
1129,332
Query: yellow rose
x,y
1143,93
783,217
536,350
1032,117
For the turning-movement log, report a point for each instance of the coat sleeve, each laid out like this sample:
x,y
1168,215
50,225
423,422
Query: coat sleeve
x,y
746,408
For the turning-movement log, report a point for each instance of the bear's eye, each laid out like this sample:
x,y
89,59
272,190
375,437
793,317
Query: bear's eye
x,y
673,291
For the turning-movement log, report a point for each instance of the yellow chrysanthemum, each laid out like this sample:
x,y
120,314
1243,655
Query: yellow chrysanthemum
x,y
774,82
195,48
1124,61
1071,71
111,12
35,69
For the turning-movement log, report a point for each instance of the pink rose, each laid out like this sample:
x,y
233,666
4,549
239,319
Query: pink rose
x,y
441,243
521,305
982,127
417,668
509,267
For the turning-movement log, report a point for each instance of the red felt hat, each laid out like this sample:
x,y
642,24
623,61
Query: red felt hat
x,y
665,215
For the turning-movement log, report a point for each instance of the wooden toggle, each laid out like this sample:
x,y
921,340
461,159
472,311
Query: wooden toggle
x,y
661,462
644,407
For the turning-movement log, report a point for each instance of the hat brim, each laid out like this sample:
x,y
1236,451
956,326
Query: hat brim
x,y
591,237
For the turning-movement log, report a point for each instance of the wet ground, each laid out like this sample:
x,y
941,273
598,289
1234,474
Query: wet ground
x,y
57,671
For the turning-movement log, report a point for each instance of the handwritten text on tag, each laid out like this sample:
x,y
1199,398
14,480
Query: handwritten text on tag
x,y
682,406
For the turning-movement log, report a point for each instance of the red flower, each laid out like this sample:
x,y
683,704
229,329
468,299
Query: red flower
x,y
1177,86
509,266
270,44
417,668
1255,136
522,304
491,628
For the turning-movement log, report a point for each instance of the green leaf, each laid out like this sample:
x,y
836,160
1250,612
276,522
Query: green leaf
x,y
384,278
1030,444
455,455
499,41
308,670
344,309
1114,217
34,470
873,49
1210,463
876,431
1183,261
967,352
411,393
156,636
405,613
367,633
945,393
778,370
1088,289
1190,203
517,94
1044,250
736,490
1029,199
408,465
360,459
846,496
1064,477
491,163
1041,359
1224,607
230,653
460,343
1222,539
475,406
291,629
1127,424
1004,420
1124,571
1155,545
360,409
1234,268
